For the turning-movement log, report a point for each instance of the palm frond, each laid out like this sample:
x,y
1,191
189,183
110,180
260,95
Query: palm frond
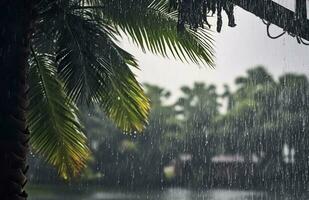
x,y
124,100
96,70
152,26
81,57
56,133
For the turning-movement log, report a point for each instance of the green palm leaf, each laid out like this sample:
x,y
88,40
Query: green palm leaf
x,y
124,101
152,26
81,64
96,70
56,133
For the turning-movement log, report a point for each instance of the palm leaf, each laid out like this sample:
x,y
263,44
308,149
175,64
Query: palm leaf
x,y
152,26
96,70
81,63
56,133
124,100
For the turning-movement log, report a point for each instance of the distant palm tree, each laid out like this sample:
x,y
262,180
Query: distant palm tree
x,y
68,51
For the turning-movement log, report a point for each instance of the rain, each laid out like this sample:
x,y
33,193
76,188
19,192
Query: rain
x,y
154,100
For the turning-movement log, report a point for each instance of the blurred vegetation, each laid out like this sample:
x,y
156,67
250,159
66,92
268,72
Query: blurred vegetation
x,y
265,121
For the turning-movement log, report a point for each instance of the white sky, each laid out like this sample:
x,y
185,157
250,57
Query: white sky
x,y
237,49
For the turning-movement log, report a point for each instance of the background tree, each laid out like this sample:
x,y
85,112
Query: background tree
x,y
293,100
198,108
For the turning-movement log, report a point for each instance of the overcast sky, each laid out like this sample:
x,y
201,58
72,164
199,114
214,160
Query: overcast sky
x,y
237,49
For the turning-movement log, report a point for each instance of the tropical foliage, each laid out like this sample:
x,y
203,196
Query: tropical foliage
x,y
76,61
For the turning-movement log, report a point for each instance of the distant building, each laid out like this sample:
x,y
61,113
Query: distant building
x,y
179,167
222,158
229,170
223,170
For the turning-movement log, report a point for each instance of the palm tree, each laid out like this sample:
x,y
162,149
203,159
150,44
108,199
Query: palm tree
x,y
67,50
199,107
293,100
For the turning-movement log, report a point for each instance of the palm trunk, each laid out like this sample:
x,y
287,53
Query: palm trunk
x,y
15,30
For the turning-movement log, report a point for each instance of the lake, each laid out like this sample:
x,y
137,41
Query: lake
x,y
167,194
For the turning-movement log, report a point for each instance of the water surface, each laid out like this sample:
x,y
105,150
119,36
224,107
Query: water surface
x,y
168,194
